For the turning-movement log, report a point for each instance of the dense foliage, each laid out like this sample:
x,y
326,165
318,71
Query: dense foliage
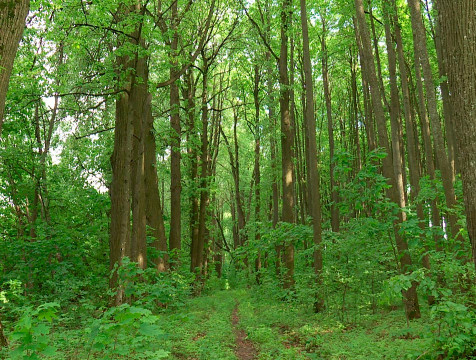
x,y
156,172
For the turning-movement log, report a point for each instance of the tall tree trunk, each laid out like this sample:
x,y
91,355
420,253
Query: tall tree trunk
x,y
256,170
287,141
412,146
330,125
192,154
138,102
458,33
12,22
447,105
154,214
315,203
368,118
120,188
175,173
412,308
421,52
197,259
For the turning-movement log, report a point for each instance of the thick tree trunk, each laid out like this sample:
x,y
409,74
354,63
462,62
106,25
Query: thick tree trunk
x,y
120,189
458,34
12,23
410,295
138,102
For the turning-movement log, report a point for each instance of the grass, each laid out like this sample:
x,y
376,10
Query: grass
x,y
201,329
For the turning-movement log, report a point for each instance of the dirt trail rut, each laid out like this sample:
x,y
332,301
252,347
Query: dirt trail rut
x,y
245,349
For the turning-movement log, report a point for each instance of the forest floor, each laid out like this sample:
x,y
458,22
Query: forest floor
x,y
238,324
244,324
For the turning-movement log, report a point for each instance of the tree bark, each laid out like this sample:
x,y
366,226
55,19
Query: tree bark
x,y
256,170
3,338
154,213
330,126
421,53
12,22
315,203
138,103
175,172
412,146
412,308
287,142
458,30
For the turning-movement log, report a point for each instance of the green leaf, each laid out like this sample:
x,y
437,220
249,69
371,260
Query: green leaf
x,y
150,330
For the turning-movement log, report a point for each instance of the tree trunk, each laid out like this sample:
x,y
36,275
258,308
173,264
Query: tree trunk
x,y
12,22
3,338
330,125
197,259
412,146
458,34
175,173
315,203
192,155
421,52
287,142
138,103
256,170
154,214
412,308
120,189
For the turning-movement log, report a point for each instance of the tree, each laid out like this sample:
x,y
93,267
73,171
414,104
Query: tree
x,y
394,191
12,22
315,199
458,35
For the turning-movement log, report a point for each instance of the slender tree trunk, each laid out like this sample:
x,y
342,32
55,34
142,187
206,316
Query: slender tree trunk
x,y
421,52
410,296
256,171
154,214
458,30
12,23
368,118
287,141
355,112
330,126
3,338
192,153
197,261
375,42
315,202
412,146
175,173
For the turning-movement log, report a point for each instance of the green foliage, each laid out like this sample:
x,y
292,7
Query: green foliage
x,y
125,332
31,335
454,329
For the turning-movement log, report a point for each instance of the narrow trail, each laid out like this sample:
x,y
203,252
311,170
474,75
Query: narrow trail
x,y
245,349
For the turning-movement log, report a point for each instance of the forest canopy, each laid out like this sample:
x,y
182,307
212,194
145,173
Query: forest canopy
x,y
230,179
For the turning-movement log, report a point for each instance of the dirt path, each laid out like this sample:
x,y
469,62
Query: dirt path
x,y
245,349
